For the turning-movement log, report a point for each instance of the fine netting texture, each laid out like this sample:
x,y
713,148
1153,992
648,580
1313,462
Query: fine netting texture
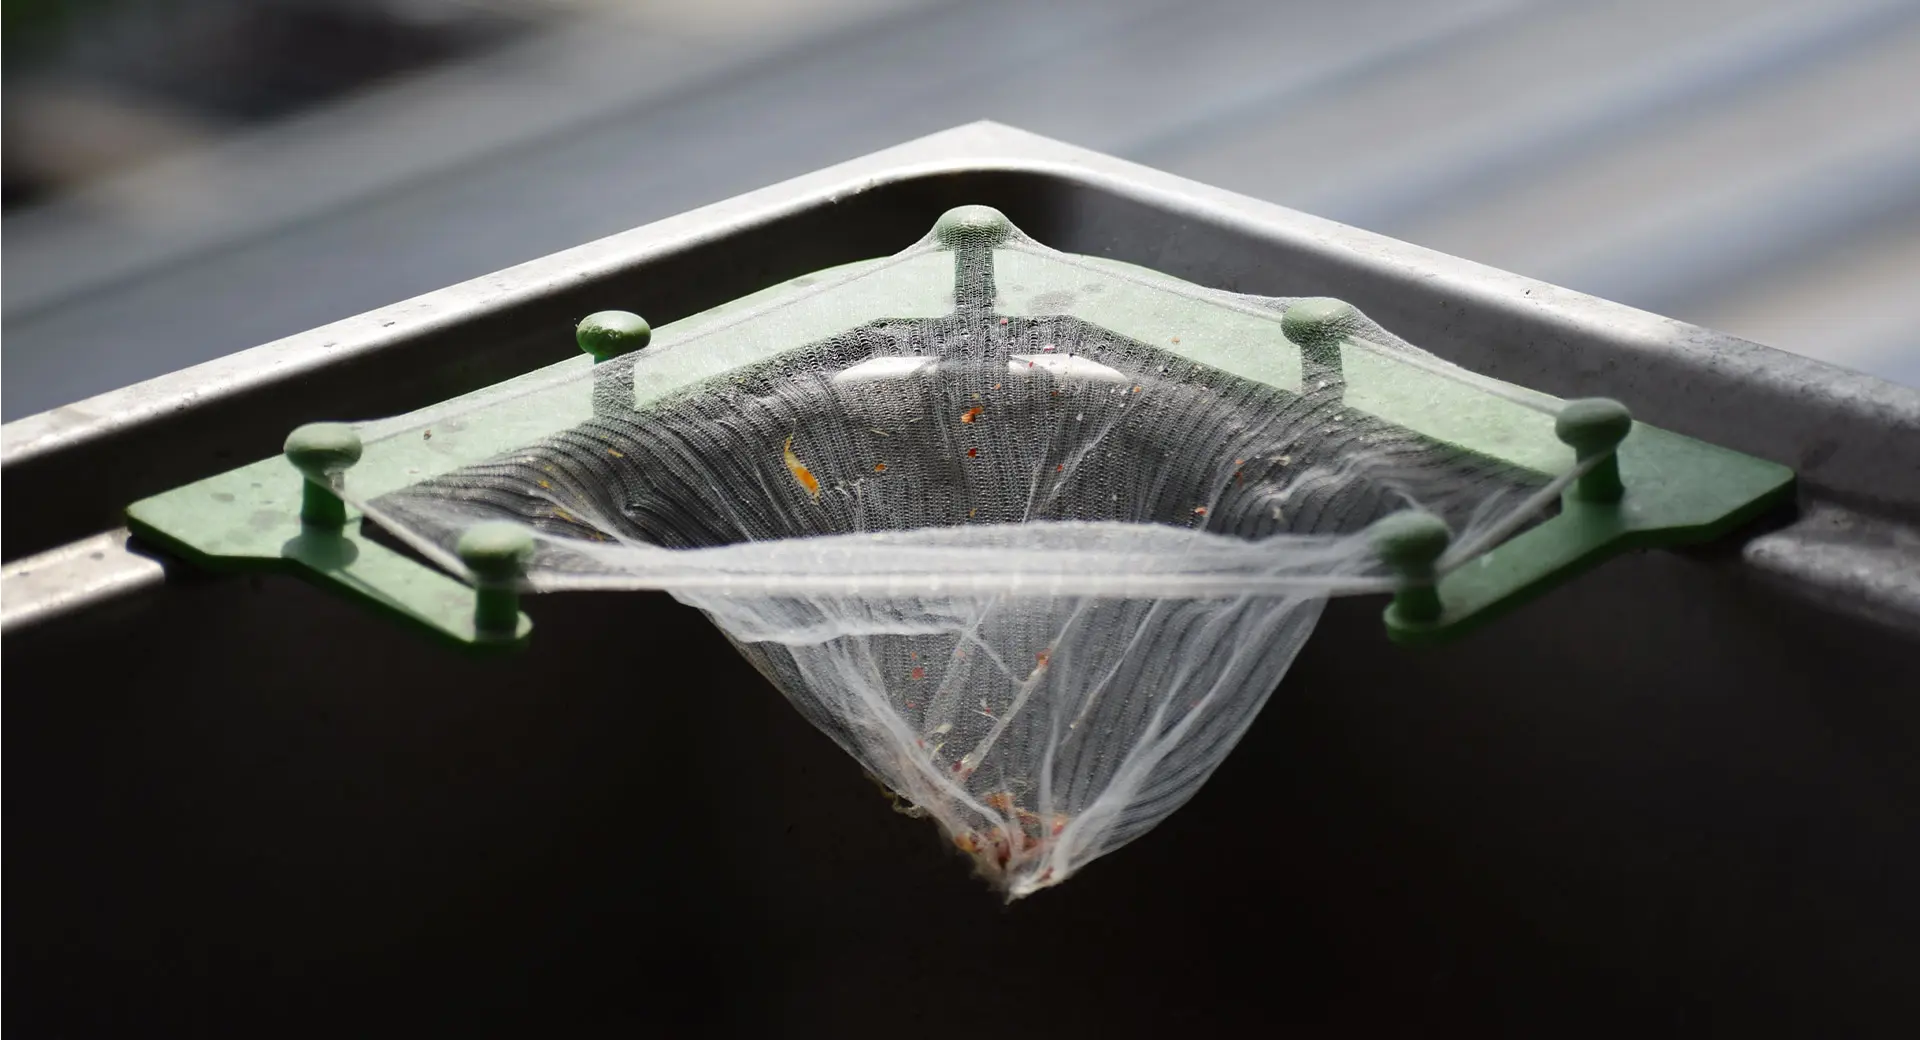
x,y
1035,573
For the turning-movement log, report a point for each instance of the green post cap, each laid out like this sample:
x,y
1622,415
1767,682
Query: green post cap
x,y
324,449
322,452
1594,427
1319,324
972,226
497,552
1411,539
1411,542
609,334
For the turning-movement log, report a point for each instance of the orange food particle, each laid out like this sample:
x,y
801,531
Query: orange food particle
x,y
917,673
1199,510
801,474
1136,389
971,414
973,453
1043,657
1001,800
879,467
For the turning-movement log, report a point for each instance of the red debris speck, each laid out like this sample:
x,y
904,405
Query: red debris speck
x,y
1199,510
971,415
973,453
917,673
1060,468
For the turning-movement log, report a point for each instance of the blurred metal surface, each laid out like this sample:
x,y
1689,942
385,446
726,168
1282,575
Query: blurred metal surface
x,y
1747,164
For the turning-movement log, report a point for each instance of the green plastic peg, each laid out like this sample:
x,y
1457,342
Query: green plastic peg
x,y
1318,326
323,452
609,334
496,552
972,232
1593,427
972,227
1411,543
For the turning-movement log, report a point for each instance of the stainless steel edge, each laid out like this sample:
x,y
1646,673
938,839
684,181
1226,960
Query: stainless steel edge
x,y
74,576
1854,439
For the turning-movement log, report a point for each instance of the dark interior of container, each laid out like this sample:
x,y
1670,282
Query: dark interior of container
x,y
1655,798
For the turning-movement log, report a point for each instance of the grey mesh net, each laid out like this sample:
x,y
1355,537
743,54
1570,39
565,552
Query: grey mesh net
x,y
1032,536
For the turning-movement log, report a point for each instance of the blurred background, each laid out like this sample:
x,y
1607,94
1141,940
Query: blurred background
x,y
187,178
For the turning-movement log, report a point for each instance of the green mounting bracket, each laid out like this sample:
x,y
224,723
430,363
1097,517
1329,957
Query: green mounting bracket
x,y
285,515
1653,489
1646,487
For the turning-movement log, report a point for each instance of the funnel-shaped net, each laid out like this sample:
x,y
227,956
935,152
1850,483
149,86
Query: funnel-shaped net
x,y
1032,536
